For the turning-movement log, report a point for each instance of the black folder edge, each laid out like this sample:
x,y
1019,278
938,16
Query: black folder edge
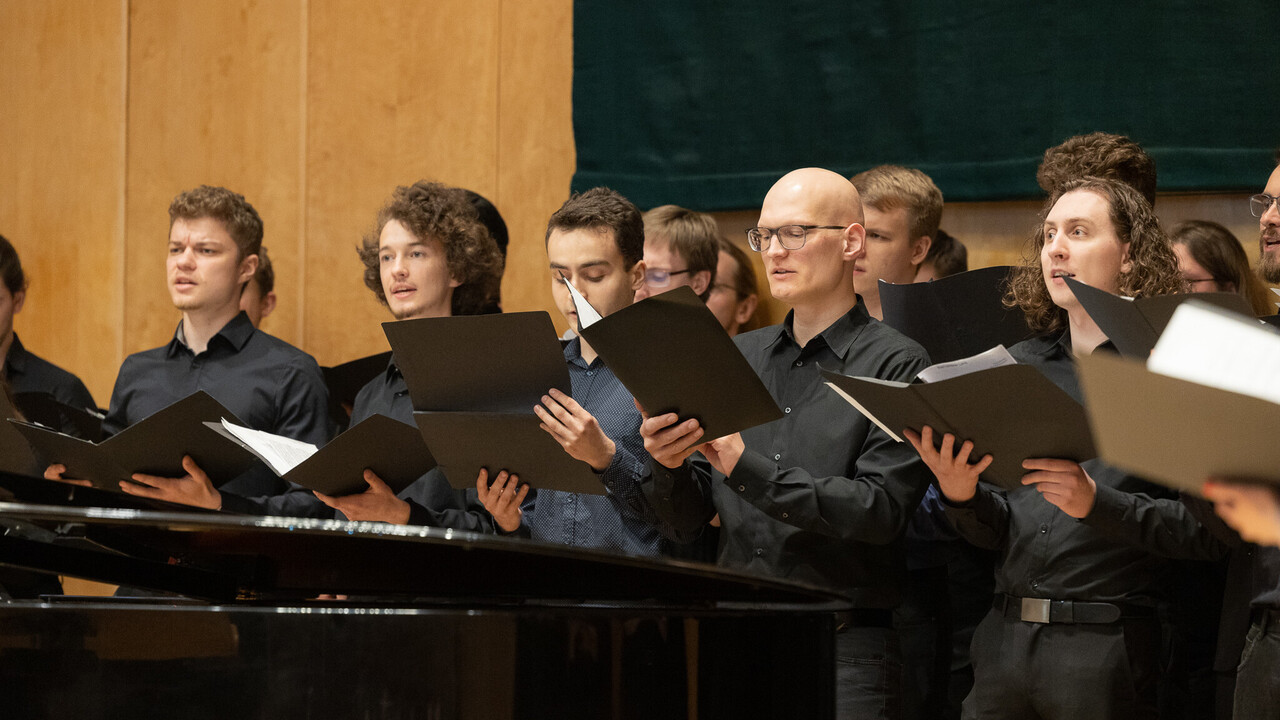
x,y
392,449
42,408
18,454
511,378
1078,449
947,307
1175,432
1134,326
698,344
165,423
515,434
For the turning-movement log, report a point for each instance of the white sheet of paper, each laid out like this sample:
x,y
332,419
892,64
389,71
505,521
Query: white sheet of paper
x,y
866,413
281,453
995,357
587,315
1219,350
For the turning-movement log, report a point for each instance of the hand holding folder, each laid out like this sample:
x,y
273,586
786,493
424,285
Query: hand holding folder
x,y
474,381
1009,411
673,356
152,446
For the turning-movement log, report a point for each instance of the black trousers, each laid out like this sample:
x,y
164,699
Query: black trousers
x,y
1065,671
868,674
1258,677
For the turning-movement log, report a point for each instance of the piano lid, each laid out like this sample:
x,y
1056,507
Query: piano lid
x,y
223,557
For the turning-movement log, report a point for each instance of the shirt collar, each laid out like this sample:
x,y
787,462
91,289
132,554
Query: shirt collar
x,y
236,332
16,360
839,336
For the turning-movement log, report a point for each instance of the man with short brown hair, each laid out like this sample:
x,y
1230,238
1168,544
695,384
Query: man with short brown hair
x,y
903,208
680,248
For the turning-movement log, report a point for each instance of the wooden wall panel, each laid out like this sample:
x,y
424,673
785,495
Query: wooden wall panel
x,y
62,77
396,92
536,151
215,97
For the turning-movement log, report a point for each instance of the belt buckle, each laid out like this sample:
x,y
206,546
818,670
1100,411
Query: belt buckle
x,y
1035,610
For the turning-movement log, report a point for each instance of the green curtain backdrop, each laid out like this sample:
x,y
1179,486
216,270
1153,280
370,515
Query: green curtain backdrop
x,y
705,104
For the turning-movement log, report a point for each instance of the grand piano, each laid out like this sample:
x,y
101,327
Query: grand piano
x,y
425,623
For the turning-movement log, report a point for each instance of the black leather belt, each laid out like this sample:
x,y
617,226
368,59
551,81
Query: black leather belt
x,y
864,617
1043,610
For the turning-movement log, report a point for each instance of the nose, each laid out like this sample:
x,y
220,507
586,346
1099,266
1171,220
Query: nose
x,y
773,246
398,268
1272,215
187,258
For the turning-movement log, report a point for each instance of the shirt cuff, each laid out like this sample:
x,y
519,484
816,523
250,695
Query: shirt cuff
x,y
750,477
1109,506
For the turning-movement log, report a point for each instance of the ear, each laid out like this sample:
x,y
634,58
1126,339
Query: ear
x,y
700,281
453,281
248,268
920,248
746,308
1126,262
855,242
268,303
19,298
637,275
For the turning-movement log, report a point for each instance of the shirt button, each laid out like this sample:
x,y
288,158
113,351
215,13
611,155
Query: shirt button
x,y
799,363
777,456
742,488
785,516
1035,584
759,552
788,411
590,373
1044,529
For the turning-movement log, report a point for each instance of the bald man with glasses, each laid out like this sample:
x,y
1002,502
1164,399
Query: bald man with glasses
x,y
822,495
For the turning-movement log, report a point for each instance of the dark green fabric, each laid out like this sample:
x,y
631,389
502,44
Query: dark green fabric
x,y
707,104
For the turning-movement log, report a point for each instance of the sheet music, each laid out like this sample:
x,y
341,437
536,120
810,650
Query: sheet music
x,y
587,315
995,357
281,453
1212,348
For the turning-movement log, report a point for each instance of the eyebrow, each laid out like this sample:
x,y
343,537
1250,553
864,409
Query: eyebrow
x,y
583,266
1068,221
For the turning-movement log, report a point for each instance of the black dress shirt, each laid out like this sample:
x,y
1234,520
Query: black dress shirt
x,y
28,372
1117,553
822,495
269,384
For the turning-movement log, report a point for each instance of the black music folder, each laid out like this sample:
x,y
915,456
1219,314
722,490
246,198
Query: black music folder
x,y
1012,412
154,446
957,316
1203,404
1134,325
344,382
390,448
16,455
45,409
673,356
474,381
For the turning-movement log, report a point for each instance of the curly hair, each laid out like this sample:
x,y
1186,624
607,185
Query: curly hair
x,y
1153,267
1098,154
446,214
230,208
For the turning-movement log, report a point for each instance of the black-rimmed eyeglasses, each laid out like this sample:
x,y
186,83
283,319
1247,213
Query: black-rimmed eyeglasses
x,y
791,237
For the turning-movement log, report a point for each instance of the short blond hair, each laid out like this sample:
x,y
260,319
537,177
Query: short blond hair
x,y
889,187
694,236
